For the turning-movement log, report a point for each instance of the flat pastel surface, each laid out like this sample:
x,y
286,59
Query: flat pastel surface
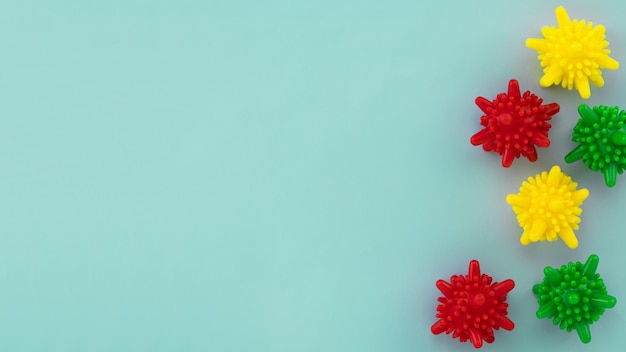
x,y
237,176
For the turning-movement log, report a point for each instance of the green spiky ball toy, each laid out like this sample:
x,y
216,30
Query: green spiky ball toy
x,y
602,140
573,296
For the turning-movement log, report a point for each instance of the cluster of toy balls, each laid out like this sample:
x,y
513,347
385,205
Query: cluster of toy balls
x,y
548,206
574,296
572,55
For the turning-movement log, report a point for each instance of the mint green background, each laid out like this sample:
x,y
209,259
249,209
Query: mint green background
x,y
238,176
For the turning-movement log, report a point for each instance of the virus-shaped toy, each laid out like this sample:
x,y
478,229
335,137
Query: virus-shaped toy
x,y
573,54
548,205
600,132
472,307
514,124
573,296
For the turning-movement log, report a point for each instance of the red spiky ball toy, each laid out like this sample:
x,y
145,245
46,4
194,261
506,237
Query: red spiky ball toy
x,y
472,307
514,124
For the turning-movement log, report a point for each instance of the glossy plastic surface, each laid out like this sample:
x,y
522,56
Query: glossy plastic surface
x,y
573,296
602,141
572,54
514,124
548,205
472,307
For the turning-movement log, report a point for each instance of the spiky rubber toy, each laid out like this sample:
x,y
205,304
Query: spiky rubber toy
x,y
548,205
602,140
572,54
573,296
472,307
514,123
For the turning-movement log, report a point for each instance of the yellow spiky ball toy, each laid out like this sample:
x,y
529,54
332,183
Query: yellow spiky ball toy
x,y
572,54
548,206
